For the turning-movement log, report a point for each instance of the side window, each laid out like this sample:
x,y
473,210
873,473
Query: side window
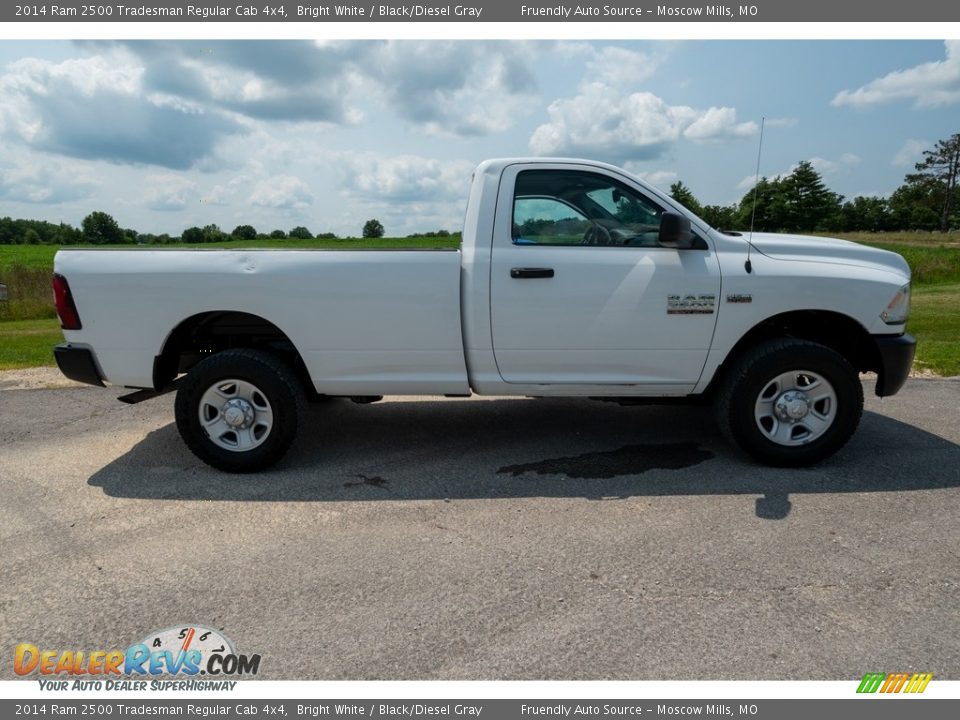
x,y
568,207
547,221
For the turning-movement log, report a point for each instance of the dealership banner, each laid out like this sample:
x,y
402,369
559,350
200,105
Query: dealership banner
x,y
615,11
487,709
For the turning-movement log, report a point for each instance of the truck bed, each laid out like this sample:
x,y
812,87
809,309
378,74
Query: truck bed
x,y
364,321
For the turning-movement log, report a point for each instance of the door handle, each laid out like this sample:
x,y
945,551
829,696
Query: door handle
x,y
521,273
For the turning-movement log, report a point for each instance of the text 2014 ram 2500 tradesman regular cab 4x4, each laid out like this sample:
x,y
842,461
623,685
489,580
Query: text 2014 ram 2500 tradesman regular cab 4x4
x,y
574,279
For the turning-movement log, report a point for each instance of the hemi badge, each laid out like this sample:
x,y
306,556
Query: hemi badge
x,y
739,298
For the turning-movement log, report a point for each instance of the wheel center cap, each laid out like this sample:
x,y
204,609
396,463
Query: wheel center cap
x,y
238,413
792,406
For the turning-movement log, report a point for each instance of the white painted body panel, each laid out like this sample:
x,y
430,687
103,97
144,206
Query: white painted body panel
x,y
364,322
447,322
860,292
601,320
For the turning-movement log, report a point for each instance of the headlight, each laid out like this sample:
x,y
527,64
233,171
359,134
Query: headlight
x,y
899,308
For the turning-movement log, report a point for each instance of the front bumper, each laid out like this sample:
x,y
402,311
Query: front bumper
x,y
77,363
896,357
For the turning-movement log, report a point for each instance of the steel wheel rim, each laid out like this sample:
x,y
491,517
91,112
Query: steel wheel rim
x,y
795,408
236,415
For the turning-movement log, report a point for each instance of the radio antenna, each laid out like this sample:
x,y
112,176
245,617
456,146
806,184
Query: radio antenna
x,y
753,214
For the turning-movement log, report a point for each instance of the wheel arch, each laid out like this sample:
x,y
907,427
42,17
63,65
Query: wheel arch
x,y
832,329
209,332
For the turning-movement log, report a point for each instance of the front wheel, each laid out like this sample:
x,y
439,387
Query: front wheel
x,y
239,410
790,402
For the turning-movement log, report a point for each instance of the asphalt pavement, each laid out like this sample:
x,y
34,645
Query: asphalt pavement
x,y
488,539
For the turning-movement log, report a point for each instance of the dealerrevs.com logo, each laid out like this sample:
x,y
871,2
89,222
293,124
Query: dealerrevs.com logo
x,y
187,650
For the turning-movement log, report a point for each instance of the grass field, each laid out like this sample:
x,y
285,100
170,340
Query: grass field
x,y
29,256
27,331
41,256
918,239
28,343
935,321
928,264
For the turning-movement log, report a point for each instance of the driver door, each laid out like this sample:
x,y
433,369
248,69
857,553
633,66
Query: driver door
x,y
579,287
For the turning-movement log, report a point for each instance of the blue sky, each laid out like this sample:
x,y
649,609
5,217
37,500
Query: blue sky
x,y
165,135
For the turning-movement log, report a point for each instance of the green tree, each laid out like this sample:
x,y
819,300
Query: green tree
x,y
244,232
940,169
682,194
213,233
720,217
808,204
373,229
301,233
278,235
798,202
915,205
871,214
37,231
99,228
192,235
65,235
763,207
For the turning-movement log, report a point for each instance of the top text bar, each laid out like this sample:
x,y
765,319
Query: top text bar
x,y
613,11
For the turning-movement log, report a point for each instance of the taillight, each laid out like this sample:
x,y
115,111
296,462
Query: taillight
x,y
63,299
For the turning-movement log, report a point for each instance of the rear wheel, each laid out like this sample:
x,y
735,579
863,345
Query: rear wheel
x,y
790,402
239,410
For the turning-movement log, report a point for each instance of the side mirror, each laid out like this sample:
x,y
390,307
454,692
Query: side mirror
x,y
675,231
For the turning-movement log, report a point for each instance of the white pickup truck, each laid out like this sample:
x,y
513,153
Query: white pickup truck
x,y
574,278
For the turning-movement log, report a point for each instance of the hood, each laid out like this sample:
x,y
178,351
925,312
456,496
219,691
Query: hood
x,y
810,248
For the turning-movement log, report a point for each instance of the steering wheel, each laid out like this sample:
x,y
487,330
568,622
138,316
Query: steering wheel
x,y
596,234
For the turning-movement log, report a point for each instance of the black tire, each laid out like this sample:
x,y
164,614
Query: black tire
x,y
278,391
755,372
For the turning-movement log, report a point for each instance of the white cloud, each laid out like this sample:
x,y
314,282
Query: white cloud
x,y
620,67
574,49
325,98
443,88
601,122
45,182
218,195
824,166
719,124
116,71
455,88
33,78
406,192
404,177
169,192
928,85
832,167
658,178
615,65
263,80
282,191
910,153
96,108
